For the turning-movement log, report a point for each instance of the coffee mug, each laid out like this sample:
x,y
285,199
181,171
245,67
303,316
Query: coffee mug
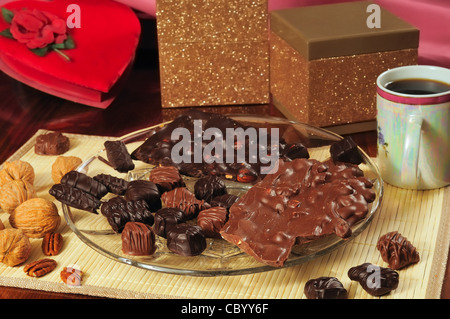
x,y
414,126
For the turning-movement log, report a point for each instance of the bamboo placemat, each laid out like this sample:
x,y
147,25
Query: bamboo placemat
x,y
421,216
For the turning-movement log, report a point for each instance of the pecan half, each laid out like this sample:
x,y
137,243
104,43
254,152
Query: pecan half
x,y
71,276
40,267
52,244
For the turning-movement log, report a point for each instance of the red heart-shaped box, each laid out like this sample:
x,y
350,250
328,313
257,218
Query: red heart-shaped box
x,y
105,46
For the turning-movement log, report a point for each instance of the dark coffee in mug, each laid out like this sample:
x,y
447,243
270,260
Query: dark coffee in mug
x,y
418,86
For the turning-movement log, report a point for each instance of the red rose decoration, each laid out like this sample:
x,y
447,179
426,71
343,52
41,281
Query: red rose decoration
x,y
40,31
37,29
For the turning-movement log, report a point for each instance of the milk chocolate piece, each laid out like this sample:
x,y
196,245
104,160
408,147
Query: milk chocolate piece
x,y
52,144
304,200
166,178
75,197
115,185
85,183
325,288
138,239
208,187
119,211
186,240
211,221
144,190
346,150
226,200
118,156
166,218
397,251
376,280
185,200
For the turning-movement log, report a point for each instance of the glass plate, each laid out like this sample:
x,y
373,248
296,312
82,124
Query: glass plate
x,y
220,257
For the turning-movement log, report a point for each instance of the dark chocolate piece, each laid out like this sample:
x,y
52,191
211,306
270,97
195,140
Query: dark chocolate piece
x,y
145,190
374,279
119,211
183,199
166,178
118,156
186,240
208,187
138,239
325,288
85,183
211,221
51,144
293,151
346,150
397,251
226,200
115,185
75,197
305,200
166,218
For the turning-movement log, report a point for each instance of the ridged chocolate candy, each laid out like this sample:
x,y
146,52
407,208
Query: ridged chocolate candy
x,y
208,187
325,288
166,218
115,185
118,156
144,190
75,197
138,239
166,178
85,183
211,221
397,251
183,199
376,280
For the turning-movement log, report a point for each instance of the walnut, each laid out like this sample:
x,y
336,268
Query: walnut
x,y
63,165
17,170
14,193
36,217
15,247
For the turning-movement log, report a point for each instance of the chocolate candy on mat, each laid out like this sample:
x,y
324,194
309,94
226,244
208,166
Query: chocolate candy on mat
x,y
376,280
51,144
325,288
397,251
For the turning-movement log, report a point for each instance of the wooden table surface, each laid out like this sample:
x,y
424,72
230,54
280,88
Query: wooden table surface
x,y
24,110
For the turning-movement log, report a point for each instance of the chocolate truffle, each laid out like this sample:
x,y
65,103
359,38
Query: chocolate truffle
x,y
119,211
145,190
346,150
115,185
226,200
397,251
75,197
211,221
118,156
325,288
166,178
138,239
166,218
85,183
376,280
186,240
208,187
183,199
51,144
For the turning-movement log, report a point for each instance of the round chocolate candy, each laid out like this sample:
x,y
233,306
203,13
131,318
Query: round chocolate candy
x,y
166,218
144,190
206,188
186,240
138,239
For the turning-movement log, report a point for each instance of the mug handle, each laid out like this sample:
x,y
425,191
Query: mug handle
x,y
411,149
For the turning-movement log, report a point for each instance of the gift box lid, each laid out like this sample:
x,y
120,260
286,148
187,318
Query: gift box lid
x,y
331,30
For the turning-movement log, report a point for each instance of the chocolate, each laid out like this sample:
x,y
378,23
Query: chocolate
x,y
325,288
208,187
138,239
51,144
304,200
186,240
211,221
144,190
346,150
166,178
75,197
119,211
376,280
226,200
118,156
293,151
157,149
185,200
397,251
166,218
115,185
85,183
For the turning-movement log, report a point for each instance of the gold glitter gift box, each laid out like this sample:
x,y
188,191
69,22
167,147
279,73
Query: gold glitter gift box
x,y
324,61
213,52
